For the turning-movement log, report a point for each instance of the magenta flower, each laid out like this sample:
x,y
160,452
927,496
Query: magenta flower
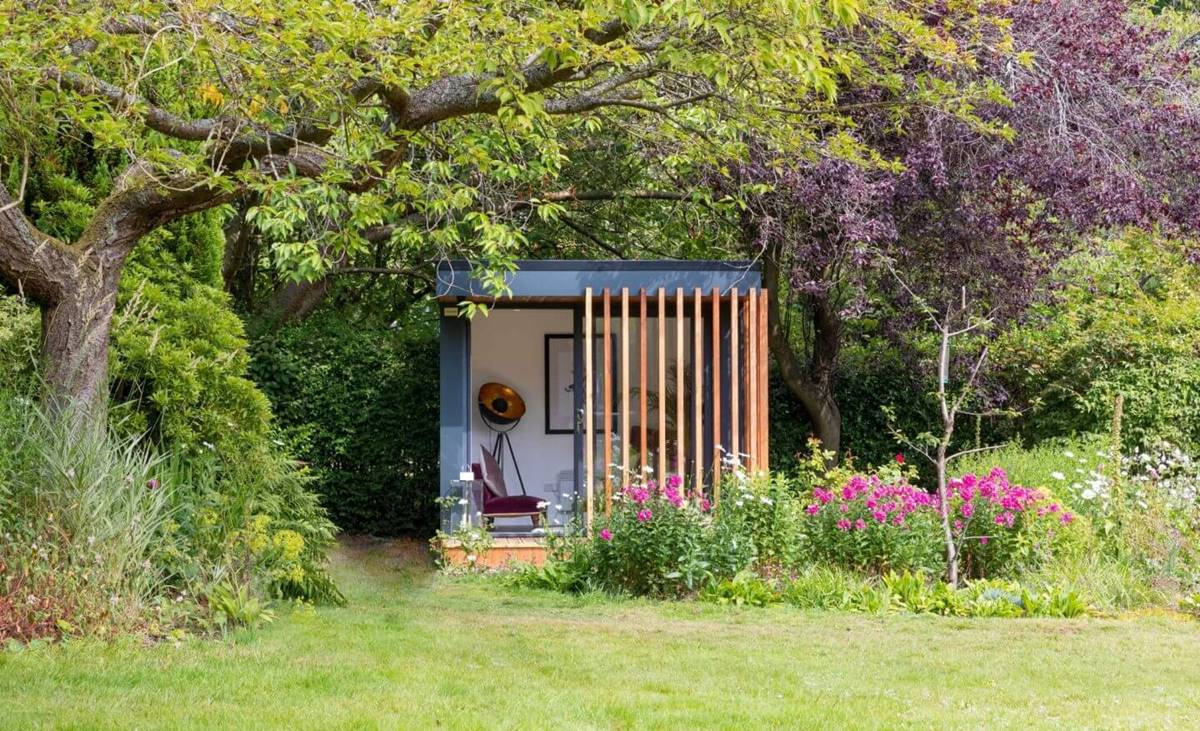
x,y
813,509
674,481
879,516
644,515
860,524
1066,518
843,525
606,534
983,540
152,483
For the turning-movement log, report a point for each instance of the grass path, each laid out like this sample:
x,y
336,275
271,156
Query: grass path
x,y
417,651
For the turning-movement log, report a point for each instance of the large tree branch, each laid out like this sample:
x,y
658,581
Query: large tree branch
x,y
32,261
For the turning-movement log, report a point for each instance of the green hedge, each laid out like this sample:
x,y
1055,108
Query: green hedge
x,y
359,403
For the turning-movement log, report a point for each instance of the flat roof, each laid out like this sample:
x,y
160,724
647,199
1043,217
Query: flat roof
x,y
568,278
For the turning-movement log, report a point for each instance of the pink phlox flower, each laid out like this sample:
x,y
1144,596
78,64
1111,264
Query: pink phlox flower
x,y
983,540
843,525
879,516
844,507
967,509
860,524
674,481
606,534
813,509
644,515
638,495
822,496
1066,518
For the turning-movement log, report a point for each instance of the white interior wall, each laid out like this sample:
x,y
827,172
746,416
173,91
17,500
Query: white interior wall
x,y
508,346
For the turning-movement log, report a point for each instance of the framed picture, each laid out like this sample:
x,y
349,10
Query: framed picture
x,y
560,384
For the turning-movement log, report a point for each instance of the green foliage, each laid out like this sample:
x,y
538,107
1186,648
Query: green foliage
x,y
819,586
234,606
745,589
360,405
80,520
20,328
179,361
870,377
1127,322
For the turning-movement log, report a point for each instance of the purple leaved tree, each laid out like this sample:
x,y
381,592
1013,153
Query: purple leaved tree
x,y
1089,126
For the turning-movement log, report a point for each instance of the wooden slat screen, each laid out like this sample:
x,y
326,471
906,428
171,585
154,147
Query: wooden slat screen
x,y
729,406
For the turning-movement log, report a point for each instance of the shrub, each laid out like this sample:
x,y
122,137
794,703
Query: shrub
x,y
1127,321
359,404
765,513
871,525
658,541
1001,527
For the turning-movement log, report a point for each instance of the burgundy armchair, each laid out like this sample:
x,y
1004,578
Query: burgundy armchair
x,y
497,503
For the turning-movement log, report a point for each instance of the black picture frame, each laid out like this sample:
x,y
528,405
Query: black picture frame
x,y
555,386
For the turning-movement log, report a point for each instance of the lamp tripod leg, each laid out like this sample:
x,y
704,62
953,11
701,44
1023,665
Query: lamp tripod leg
x,y
516,465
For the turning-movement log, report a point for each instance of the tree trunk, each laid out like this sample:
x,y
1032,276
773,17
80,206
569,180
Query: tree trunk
x,y
811,384
241,250
75,333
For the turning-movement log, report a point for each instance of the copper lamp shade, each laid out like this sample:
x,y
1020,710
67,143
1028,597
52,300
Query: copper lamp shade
x,y
500,404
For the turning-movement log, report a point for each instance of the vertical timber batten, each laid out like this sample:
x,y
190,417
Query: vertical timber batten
x,y
680,388
764,446
643,386
752,372
716,394
608,374
662,384
698,390
624,390
589,449
735,383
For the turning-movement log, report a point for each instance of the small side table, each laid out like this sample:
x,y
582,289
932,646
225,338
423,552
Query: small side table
x,y
463,514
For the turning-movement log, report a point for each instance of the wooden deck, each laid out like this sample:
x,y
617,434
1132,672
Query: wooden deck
x,y
504,550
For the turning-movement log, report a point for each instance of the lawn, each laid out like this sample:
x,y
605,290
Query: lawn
x,y
415,650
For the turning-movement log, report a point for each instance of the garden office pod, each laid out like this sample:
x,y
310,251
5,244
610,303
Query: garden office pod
x,y
586,376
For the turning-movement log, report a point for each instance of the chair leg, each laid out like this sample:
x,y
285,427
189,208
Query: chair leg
x,y
536,519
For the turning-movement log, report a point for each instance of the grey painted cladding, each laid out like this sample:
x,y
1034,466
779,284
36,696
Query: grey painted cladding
x,y
569,278
455,380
